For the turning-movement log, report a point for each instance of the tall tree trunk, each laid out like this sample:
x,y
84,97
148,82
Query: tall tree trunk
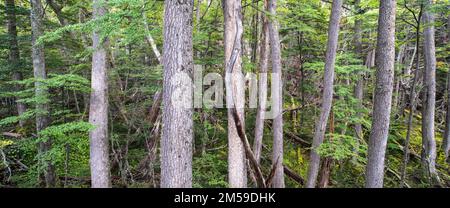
x,y
385,58
262,96
429,100
178,124
359,87
277,84
237,173
327,99
14,53
98,112
446,142
42,108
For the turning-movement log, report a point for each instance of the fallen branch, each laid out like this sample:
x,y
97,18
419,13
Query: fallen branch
x,y
13,135
248,151
294,176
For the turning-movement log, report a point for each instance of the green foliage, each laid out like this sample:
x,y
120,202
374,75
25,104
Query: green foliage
x,y
339,147
209,171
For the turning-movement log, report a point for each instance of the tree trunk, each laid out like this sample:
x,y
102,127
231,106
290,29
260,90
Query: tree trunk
x,y
412,104
446,142
429,100
327,99
277,85
237,173
178,124
327,163
42,108
385,58
262,96
359,87
98,112
14,53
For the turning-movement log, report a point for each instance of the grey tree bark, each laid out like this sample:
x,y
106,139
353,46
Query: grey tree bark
x,y
446,142
14,53
42,108
178,132
277,84
429,100
359,87
98,112
327,97
385,59
262,95
234,83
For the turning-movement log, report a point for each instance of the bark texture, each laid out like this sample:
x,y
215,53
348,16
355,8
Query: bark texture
x,y
446,142
277,85
237,173
42,108
429,99
262,95
98,112
385,59
359,87
327,97
178,133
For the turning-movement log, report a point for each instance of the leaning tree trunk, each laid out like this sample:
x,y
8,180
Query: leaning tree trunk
x,y
14,53
262,95
98,112
385,58
446,142
178,124
277,85
429,100
237,173
327,99
42,108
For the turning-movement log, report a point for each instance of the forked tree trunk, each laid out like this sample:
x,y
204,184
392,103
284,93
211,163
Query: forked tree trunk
x,y
385,59
98,112
327,98
178,124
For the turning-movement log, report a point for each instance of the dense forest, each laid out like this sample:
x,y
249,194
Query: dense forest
x,y
225,93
